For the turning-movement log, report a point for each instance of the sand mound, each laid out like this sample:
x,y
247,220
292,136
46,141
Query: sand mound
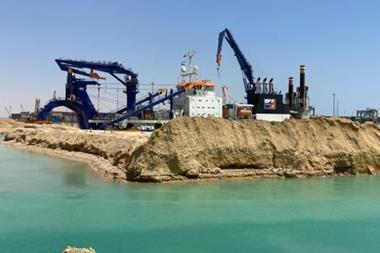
x,y
199,147
6,124
217,148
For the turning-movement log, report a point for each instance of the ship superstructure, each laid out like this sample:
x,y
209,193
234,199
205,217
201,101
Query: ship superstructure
x,y
199,99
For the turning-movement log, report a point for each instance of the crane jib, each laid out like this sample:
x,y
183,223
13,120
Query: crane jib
x,y
245,66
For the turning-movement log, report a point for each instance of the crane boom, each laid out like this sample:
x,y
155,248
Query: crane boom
x,y
245,66
9,111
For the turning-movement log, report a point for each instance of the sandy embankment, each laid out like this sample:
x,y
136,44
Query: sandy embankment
x,y
199,148
104,152
8,124
211,148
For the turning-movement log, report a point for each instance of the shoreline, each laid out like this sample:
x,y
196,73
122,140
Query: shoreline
x,y
95,163
198,150
105,169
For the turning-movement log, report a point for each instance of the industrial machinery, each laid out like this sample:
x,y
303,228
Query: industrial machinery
x,y
237,111
77,99
268,104
366,115
299,101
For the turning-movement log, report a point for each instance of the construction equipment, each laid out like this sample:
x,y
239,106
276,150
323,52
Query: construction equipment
x,y
237,111
112,68
299,102
78,100
268,104
245,66
76,97
168,96
369,114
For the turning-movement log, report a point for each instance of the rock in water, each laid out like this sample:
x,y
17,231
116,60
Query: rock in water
x,y
70,249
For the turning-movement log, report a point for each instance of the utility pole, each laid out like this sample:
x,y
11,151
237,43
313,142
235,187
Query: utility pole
x,y
337,107
334,104
98,97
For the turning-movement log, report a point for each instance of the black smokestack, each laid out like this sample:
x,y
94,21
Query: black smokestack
x,y
290,92
271,90
302,81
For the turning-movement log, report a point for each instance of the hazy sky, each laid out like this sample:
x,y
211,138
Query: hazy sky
x,y
338,41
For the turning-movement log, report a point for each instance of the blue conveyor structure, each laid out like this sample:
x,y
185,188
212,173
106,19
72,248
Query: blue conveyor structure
x,y
168,96
78,100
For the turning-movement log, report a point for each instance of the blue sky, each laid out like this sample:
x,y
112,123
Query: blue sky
x,y
338,41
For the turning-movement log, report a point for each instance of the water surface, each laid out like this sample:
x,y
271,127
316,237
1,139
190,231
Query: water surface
x,y
46,204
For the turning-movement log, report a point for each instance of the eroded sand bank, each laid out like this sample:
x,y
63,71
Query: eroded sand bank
x,y
200,148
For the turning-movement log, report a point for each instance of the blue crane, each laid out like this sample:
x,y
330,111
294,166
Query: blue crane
x,y
112,68
245,66
78,100
265,100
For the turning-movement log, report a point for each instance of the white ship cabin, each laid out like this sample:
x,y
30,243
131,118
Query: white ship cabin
x,y
199,100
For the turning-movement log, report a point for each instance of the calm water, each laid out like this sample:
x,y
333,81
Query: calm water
x,y
46,204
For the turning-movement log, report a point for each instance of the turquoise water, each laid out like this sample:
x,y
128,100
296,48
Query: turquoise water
x,y
46,204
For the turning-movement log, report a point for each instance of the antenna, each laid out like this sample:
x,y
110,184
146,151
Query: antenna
x,y
190,71
189,55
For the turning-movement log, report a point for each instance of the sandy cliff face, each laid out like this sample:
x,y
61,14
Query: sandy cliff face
x,y
217,148
111,149
199,147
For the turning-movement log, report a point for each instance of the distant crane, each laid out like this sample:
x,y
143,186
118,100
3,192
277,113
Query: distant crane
x,y
22,108
9,111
